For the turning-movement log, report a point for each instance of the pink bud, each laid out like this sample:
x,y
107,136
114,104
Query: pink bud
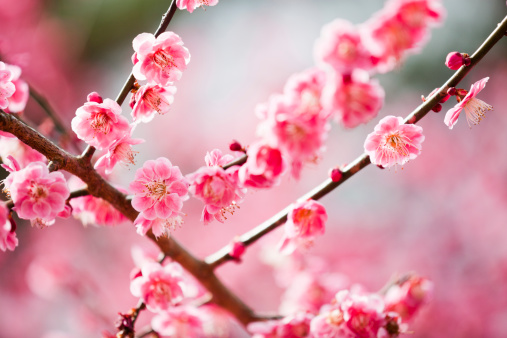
x,y
451,91
467,61
237,249
454,60
235,146
94,97
437,108
335,174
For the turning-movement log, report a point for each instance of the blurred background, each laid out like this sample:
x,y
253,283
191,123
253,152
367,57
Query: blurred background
x,y
443,215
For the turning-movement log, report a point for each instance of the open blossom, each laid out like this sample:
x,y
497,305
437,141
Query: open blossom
x,y
306,89
341,47
151,99
304,221
181,321
293,326
191,5
18,100
159,60
160,287
159,226
99,124
23,154
353,99
159,189
393,142
120,151
216,187
475,109
7,88
38,194
8,239
408,297
264,166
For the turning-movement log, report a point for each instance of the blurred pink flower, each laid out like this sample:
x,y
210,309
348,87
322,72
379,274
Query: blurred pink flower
x,y
18,100
304,221
159,60
160,287
353,99
159,226
293,326
306,88
7,88
191,5
120,151
407,298
151,99
341,47
8,239
159,189
38,194
475,109
264,166
181,321
23,154
393,142
100,124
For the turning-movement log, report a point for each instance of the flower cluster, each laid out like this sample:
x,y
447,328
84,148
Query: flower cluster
x,y
191,5
8,239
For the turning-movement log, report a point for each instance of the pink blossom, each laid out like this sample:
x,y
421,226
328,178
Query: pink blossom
x,y
297,133
159,226
151,99
354,99
159,189
408,297
100,124
159,287
305,220
264,166
341,47
306,89
181,321
330,324
393,142
454,60
7,88
216,158
293,326
8,239
96,211
120,151
216,187
191,5
160,60
38,194
475,109
362,313
18,100
23,154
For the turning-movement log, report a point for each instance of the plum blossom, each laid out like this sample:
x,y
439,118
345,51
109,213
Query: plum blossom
x,y
191,5
305,220
341,47
159,60
475,109
151,99
353,99
293,326
7,88
216,187
408,297
264,166
159,189
393,142
306,88
160,287
120,151
181,321
159,226
37,194
8,239
18,100
454,60
99,124
23,154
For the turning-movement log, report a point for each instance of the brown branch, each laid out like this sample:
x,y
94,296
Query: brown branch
x,y
222,256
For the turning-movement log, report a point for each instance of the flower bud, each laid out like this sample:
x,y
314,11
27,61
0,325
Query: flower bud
x,y
94,97
454,60
335,174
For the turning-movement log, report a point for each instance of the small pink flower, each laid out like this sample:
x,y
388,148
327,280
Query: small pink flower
x,y
393,142
181,321
160,60
304,221
264,166
216,187
159,226
8,239
362,313
151,99
120,151
7,88
18,100
407,298
100,124
159,189
341,46
23,154
191,5
159,287
454,60
38,194
475,109
353,99
306,89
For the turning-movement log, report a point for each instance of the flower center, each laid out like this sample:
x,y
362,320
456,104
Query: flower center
x,y
475,110
347,50
125,153
157,189
335,317
37,192
163,59
153,100
296,133
161,292
101,123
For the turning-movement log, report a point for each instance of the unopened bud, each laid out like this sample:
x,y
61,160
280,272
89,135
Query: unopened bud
x,y
94,97
335,174
454,60
451,91
437,108
235,146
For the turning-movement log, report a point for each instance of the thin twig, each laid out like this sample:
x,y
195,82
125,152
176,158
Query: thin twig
x,y
222,256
